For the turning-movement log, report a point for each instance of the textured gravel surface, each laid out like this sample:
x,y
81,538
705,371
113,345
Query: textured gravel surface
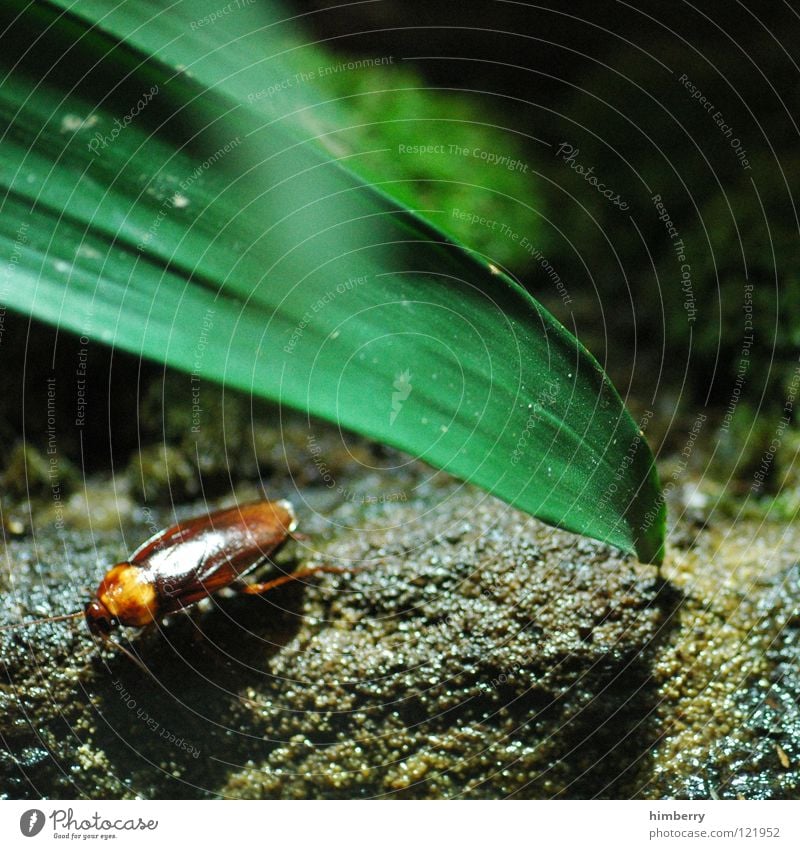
x,y
475,653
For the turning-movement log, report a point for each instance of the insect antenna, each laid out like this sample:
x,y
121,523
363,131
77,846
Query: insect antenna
x,y
66,616
16,625
131,656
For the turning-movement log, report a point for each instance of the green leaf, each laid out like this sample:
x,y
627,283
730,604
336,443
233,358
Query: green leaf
x,y
205,229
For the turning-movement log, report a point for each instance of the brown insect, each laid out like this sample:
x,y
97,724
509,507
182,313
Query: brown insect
x,y
186,563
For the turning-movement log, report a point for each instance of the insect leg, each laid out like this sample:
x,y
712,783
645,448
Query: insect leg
x,y
266,586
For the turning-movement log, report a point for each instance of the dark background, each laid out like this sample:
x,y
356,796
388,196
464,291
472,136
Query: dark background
x,y
605,78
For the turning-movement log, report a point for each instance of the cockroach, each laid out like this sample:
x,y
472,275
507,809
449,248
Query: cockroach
x,y
188,562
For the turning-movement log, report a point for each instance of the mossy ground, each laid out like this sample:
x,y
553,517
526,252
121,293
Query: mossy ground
x,y
476,653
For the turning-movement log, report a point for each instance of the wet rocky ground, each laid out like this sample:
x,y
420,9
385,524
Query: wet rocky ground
x,y
474,652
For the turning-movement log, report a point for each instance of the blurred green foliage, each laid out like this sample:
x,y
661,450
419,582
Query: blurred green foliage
x,y
279,273
691,123
698,113
721,171
448,154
